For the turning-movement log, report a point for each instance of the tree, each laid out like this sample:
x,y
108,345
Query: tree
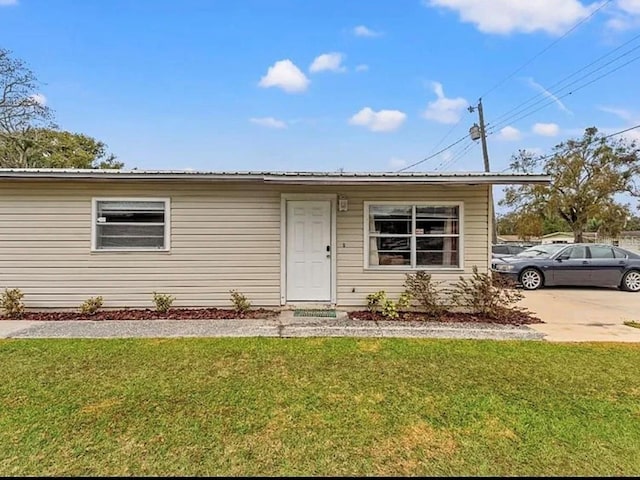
x,y
48,148
553,223
526,225
612,220
529,224
633,223
586,175
22,108
28,136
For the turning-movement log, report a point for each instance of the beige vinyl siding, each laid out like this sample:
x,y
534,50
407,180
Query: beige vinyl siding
x,y
223,236
351,274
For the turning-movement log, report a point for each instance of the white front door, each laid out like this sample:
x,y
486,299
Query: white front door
x,y
308,251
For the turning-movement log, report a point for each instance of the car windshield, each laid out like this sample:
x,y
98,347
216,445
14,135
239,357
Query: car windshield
x,y
541,251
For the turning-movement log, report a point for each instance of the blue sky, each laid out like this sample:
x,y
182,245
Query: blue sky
x,y
322,85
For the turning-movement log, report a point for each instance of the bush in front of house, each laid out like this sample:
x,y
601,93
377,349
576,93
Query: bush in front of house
x,y
480,298
163,302
11,302
424,291
494,297
379,302
91,305
241,304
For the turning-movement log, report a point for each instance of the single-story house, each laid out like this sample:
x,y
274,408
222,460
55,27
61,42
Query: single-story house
x,y
566,237
517,240
279,238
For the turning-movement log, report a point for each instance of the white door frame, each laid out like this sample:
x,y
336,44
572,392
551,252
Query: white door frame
x,y
331,197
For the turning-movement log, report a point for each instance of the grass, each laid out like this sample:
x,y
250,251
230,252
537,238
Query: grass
x,y
632,323
317,407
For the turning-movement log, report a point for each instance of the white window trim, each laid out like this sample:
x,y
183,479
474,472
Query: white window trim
x,y
405,268
94,229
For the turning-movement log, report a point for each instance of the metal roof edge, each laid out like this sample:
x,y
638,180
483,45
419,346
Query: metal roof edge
x,y
341,178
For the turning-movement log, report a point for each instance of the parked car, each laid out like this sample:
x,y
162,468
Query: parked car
x,y
504,250
572,265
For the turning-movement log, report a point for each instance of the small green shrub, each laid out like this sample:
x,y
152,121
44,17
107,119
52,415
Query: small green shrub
x,y
11,302
424,290
91,305
163,302
240,302
404,301
375,300
379,302
389,309
632,323
493,297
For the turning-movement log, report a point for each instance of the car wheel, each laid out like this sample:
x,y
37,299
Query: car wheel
x,y
631,281
531,279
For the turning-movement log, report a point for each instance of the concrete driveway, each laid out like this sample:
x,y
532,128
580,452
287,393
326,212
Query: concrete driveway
x,y
585,314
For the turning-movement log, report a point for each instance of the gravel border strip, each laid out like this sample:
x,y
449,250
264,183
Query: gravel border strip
x,y
311,327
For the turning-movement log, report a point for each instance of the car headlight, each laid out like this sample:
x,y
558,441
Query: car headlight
x,y
504,267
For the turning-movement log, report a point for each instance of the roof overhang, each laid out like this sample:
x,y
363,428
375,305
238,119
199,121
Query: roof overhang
x,y
291,178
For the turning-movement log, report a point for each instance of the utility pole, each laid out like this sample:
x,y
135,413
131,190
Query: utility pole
x,y
479,132
485,152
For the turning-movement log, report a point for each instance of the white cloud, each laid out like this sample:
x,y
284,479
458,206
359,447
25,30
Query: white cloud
x,y
39,98
629,6
625,16
444,110
362,31
380,121
268,122
397,163
526,16
331,62
6,3
362,68
546,129
536,86
510,134
620,23
618,112
285,75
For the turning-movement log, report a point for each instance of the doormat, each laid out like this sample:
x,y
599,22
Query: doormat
x,y
314,313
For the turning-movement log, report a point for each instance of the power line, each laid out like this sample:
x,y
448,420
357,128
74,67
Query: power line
x,y
429,155
553,100
623,131
586,145
501,82
496,124
465,150
560,82
432,155
455,159
544,50
454,154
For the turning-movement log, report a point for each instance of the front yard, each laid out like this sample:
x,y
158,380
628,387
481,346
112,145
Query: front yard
x,y
248,407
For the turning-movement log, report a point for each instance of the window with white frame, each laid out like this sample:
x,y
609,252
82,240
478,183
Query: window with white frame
x,y
131,224
412,235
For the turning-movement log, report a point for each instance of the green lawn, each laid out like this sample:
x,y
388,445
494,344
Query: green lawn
x,y
247,407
